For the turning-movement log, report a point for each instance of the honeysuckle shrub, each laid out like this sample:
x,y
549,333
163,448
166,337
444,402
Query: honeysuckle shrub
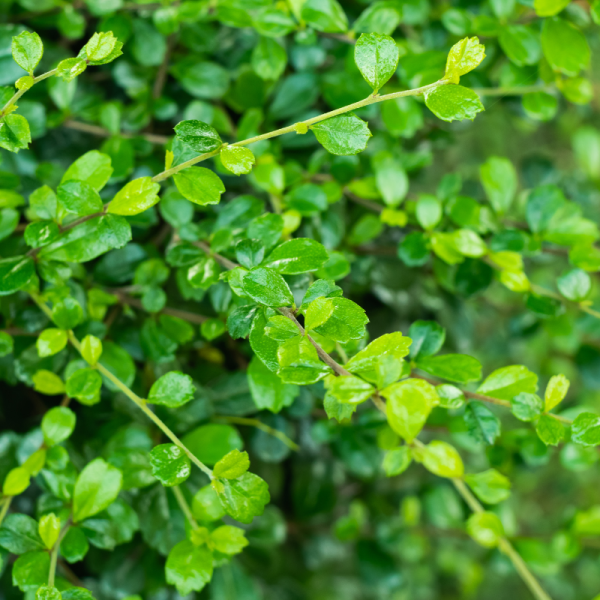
x,y
299,300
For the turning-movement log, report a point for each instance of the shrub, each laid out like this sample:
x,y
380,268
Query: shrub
x,y
204,380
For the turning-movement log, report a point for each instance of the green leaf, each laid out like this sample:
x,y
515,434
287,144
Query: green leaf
x,y
482,424
15,273
79,198
376,57
409,404
346,323
58,424
540,106
173,389
93,168
556,390
460,368
14,133
463,57
489,486
392,182
549,8
243,498
300,255
281,328
189,568
47,592
48,383
170,464
88,240
453,103
575,285
49,529
67,313
343,135
429,211
199,136
97,487
427,338
84,384
30,571
317,312
269,59
91,349
74,545
16,481
586,429
550,430
27,50
237,159
396,461
263,346
365,363
499,180
299,362
51,341
228,540
211,442
19,534
102,47
70,68
232,465
442,459
136,197
349,389
199,185
267,287
526,406
507,382
565,47
325,15
521,44
338,410
450,396
212,329
206,506
266,388
485,528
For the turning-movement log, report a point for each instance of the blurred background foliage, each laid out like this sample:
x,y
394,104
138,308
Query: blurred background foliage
x,y
336,527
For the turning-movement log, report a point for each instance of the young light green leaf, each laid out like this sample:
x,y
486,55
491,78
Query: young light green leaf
x,y
526,406
49,529
228,540
58,424
550,430
100,46
47,382
409,404
243,498
170,464
376,57
586,429
485,528
565,47
549,8
489,486
556,390
173,389
199,185
189,568
346,323
450,396
318,311
575,285
51,341
397,460
453,102
97,487
135,197
91,349
84,384
232,465
463,57
93,168
27,50
349,389
14,133
325,15
343,135
16,481
441,459
237,159
460,368
507,382
70,68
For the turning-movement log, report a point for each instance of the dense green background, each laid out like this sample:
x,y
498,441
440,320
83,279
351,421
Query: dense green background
x,y
336,526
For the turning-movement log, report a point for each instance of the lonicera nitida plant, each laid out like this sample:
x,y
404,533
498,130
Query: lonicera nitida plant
x,y
205,386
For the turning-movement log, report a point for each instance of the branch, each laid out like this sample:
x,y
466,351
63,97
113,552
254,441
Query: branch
x,y
100,131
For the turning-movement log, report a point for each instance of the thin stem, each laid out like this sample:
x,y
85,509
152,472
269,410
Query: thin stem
x,y
100,131
513,91
19,93
174,312
185,508
263,427
141,403
5,506
53,560
292,128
